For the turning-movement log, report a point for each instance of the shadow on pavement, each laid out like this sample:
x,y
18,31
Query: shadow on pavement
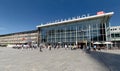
x,y
110,60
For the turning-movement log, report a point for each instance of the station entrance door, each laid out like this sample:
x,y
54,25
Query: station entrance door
x,y
82,44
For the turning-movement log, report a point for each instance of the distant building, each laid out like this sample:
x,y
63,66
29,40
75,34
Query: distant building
x,y
115,35
81,30
19,37
76,30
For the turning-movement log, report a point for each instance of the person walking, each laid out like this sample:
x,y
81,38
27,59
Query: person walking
x,y
65,46
94,48
88,49
40,48
49,47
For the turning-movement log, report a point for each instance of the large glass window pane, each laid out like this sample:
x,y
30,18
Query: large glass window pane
x,y
86,30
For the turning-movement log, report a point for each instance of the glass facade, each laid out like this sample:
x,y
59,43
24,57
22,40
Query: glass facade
x,y
74,32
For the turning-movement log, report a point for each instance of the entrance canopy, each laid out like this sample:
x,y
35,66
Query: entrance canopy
x,y
97,43
107,42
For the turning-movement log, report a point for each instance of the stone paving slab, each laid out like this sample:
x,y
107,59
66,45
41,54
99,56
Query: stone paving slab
x,y
111,58
54,60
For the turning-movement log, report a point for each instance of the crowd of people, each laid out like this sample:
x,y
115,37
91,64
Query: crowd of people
x,y
57,46
25,46
69,47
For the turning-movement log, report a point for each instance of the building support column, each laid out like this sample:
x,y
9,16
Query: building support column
x,y
76,36
38,37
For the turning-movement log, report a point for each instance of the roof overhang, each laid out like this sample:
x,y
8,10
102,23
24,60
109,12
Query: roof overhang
x,y
76,19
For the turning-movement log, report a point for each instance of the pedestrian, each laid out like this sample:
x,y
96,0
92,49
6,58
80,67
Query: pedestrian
x,y
88,49
40,48
70,46
49,47
57,46
65,47
94,48
54,46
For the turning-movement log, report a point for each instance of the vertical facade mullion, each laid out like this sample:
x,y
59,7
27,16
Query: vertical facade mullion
x,y
76,35
65,34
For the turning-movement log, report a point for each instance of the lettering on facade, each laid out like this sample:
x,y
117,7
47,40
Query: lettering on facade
x,y
85,15
73,18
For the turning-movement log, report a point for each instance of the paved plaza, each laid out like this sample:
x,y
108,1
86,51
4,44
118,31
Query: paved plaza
x,y
58,60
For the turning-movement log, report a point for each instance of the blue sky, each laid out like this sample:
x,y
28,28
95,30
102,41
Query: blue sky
x,y
24,15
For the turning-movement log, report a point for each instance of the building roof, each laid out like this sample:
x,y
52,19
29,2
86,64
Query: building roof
x,y
31,31
76,19
115,29
114,26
